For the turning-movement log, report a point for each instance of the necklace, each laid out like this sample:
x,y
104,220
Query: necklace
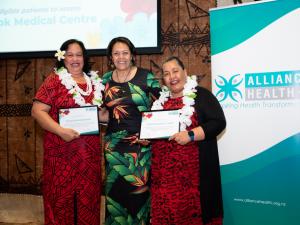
x,y
88,83
76,92
125,76
189,95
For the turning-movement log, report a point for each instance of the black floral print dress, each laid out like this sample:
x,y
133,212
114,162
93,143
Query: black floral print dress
x,y
127,162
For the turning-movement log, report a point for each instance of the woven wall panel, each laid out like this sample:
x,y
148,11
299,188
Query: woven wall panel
x,y
43,68
2,82
21,151
187,36
20,81
3,151
185,33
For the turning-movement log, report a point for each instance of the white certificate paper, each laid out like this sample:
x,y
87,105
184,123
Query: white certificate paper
x,y
82,119
159,124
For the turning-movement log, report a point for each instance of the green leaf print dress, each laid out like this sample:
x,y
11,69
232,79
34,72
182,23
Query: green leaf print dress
x,y
127,162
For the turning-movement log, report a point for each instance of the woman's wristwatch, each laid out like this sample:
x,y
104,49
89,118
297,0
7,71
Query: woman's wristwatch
x,y
191,135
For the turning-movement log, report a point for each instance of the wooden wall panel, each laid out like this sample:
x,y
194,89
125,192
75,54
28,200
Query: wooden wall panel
x,y
185,33
3,153
20,81
199,40
21,151
43,68
3,127
22,159
98,64
169,23
2,82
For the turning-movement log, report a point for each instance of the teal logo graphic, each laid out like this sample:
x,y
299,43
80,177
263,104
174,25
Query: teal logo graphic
x,y
228,88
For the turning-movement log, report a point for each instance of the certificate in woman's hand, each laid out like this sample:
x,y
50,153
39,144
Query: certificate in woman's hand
x,y
159,124
84,120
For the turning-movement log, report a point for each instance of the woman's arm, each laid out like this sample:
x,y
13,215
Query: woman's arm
x,y
210,117
210,114
40,112
183,137
103,115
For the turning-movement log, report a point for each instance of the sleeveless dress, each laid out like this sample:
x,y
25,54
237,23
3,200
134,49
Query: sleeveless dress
x,y
71,179
127,162
175,180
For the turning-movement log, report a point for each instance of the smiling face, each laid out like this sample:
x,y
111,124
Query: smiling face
x,y
121,56
174,77
74,59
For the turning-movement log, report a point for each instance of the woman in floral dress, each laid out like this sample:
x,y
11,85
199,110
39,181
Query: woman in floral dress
x,y
71,179
185,179
128,91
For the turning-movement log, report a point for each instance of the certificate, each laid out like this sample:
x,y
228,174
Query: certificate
x,y
159,124
84,120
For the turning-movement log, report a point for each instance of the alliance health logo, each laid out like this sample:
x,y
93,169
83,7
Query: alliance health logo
x,y
262,86
229,88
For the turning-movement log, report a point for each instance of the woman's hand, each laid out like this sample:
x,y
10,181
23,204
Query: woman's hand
x,y
181,137
68,134
103,115
40,113
143,142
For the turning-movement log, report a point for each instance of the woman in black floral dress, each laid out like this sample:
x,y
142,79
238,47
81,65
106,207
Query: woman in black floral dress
x,y
128,91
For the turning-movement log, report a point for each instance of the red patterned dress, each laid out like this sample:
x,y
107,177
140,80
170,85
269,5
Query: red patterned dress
x,y
175,179
71,178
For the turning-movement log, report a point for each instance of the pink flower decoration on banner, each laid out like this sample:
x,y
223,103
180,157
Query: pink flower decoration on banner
x,y
132,7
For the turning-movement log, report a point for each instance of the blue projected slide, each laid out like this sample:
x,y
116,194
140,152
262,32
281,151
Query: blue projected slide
x,y
35,26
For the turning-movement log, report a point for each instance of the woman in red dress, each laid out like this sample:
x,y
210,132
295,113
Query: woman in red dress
x,y
185,179
71,169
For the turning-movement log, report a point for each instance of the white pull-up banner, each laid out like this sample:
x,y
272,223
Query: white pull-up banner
x,y
255,60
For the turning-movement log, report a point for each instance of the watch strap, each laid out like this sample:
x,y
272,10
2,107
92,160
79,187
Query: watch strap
x,y
191,135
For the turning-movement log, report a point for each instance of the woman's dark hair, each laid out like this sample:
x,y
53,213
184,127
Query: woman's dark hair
x,y
125,41
64,47
179,62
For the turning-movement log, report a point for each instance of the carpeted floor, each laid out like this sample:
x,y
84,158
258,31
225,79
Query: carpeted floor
x,y
17,209
25,209
30,223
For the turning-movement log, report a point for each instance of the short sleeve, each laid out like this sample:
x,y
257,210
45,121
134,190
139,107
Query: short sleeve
x,y
44,92
153,85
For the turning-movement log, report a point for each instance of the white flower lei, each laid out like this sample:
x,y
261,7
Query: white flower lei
x,y
189,95
77,92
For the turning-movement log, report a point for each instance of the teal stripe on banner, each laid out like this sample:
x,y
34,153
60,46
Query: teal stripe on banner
x,y
268,197
285,149
264,189
232,26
